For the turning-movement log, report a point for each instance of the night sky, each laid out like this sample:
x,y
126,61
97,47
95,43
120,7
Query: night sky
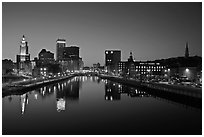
x,y
150,30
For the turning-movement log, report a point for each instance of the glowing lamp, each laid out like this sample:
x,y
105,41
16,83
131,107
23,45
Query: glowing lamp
x,y
187,70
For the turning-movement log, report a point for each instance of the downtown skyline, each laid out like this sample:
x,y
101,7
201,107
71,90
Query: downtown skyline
x,y
150,30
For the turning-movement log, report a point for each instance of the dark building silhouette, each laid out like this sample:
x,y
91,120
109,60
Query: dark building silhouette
x,y
7,66
68,57
45,57
187,66
112,58
186,51
44,64
61,44
71,52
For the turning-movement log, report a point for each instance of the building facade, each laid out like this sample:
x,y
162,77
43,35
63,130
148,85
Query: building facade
x,y
46,57
23,59
140,69
68,57
61,44
112,58
7,66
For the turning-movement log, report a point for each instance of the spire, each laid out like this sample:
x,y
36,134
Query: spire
x,y
130,53
130,58
186,50
23,39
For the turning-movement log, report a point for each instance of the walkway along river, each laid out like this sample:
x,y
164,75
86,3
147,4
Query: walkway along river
x,y
91,105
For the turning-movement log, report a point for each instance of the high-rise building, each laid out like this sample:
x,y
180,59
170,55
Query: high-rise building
x,y
68,57
23,58
112,58
61,44
71,52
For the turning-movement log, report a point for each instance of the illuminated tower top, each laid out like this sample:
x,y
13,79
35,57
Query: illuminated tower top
x,y
23,46
186,50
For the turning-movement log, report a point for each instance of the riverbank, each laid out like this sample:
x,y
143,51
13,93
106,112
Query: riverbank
x,y
23,87
177,89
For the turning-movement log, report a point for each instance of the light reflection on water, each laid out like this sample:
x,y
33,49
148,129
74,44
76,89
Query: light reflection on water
x,y
82,105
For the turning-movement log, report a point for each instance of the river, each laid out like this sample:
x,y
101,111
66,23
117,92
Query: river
x,y
90,105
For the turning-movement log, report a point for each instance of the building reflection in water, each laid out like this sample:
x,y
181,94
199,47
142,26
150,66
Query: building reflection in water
x,y
114,90
67,92
24,102
61,104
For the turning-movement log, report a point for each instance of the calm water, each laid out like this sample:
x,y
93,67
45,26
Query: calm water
x,y
89,105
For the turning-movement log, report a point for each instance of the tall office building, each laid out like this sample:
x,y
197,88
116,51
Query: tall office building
x,y
23,58
61,44
112,58
71,52
68,57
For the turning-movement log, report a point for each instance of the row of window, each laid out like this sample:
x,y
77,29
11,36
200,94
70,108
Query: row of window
x,y
144,69
149,67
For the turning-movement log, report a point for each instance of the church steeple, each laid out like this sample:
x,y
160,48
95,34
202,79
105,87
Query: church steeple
x,y
186,50
130,58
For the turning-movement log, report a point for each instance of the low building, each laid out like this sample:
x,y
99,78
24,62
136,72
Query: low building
x,y
138,69
7,66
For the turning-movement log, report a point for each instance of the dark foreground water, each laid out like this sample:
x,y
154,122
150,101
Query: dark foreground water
x,y
89,105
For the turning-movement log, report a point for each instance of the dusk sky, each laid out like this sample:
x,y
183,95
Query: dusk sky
x,y
150,30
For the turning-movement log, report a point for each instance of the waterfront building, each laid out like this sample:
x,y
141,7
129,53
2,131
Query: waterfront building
x,y
68,57
61,44
112,58
178,67
46,57
71,60
81,64
71,52
189,67
24,66
7,66
138,69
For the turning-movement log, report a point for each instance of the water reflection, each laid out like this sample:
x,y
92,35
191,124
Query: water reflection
x,y
66,92
24,102
53,105
114,90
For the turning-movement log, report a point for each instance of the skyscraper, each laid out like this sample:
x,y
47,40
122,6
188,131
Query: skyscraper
x,y
61,44
71,52
112,58
23,58
68,57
